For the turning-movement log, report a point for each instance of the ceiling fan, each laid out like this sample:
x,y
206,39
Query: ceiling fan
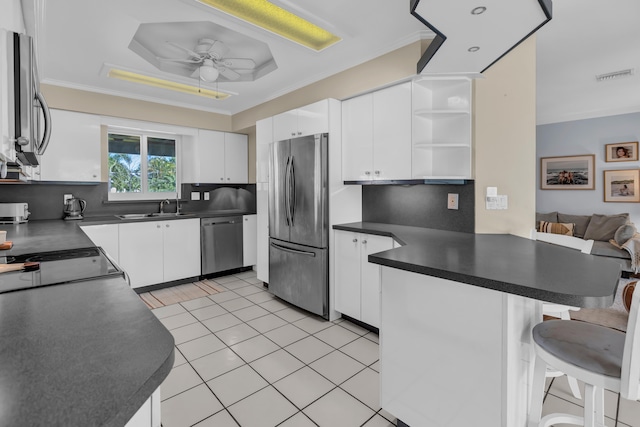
x,y
210,56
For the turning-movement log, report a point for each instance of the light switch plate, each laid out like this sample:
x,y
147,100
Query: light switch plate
x,y
452,201
67,197
206,195
195,195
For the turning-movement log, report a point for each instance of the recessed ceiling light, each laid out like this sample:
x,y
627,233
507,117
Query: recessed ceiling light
x,y
273,18
473,49
615,75
165,84
478,10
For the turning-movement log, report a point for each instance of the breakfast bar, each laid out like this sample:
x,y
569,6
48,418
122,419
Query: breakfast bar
x,y
457,311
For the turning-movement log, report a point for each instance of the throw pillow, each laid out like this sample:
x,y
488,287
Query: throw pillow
x,y
581,222
603,227
556,228
624,233
627,294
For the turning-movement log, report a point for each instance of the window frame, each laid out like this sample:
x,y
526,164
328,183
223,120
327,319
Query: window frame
x,y
145,194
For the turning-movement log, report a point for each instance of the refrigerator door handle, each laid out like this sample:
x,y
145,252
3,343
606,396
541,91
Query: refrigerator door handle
x,y
292,183
294,251
287,196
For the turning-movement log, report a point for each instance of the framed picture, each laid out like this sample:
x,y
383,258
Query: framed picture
x,y
621,152
622,185
567,173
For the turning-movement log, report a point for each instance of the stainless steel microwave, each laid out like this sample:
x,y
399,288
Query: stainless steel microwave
x,y
28,119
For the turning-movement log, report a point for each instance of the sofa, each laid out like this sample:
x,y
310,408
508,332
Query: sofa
x,y
614,236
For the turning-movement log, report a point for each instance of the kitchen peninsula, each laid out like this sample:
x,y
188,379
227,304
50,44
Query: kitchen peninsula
x,y
457,311
77,354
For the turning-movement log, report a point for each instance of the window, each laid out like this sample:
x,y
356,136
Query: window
x,y
142,166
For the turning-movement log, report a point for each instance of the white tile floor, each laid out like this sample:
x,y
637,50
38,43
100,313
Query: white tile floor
x,y
246,358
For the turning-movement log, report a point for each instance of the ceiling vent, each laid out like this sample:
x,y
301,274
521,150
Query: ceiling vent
x,y
614,75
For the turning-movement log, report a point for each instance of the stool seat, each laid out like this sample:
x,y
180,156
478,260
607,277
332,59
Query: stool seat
x,y
592,347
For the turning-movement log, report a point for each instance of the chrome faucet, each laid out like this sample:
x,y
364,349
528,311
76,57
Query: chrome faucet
x,y
162,203
178,207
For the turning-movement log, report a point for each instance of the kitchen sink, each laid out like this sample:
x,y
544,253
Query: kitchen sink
x,y
153,215
169,214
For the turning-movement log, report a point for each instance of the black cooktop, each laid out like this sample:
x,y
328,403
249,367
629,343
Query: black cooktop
x,y
58,267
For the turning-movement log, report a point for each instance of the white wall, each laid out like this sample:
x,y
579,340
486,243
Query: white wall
x,y
586,137
11,16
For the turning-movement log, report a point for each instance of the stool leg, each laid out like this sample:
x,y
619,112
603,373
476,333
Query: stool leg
x,y
593,406
537,392
573,385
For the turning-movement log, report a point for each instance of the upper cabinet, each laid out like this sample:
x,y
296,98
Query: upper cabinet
x,y
308,120
216,158
442,128
73,153
376,132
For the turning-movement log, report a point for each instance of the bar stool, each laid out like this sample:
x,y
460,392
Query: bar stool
x,y
601,357
561,311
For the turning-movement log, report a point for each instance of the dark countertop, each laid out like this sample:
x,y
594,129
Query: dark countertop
x,y
79,354
500,262
56,234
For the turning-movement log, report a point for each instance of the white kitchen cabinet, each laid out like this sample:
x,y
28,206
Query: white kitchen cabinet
x,y
441,135
376,131
149,413
181,249
308,120
218,158
105,236
249,240
73,153
357,286
160,251
262,232
264,138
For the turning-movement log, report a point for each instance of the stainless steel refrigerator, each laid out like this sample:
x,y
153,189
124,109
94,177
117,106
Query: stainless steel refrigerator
x,y
299,222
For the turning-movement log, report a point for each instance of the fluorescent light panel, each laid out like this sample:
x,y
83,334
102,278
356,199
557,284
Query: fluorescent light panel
x,y
273,18
165,84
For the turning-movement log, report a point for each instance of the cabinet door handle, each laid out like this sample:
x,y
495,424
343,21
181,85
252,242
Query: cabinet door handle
x,y
299,133
167,225
367,173
377,172
293,134
158,226
355,240
364,242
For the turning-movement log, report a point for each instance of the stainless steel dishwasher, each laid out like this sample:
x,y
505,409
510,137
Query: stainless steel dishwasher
x,y
221,242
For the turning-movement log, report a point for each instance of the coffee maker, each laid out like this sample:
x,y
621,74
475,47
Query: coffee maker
x,y
74,208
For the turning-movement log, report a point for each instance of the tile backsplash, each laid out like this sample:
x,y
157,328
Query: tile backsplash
x,y
46,199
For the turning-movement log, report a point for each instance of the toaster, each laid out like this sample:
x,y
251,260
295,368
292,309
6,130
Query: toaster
x,y
14,213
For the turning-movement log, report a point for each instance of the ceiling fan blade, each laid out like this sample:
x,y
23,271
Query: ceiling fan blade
x,y
228,73
218,49
238,63
188,61
189,51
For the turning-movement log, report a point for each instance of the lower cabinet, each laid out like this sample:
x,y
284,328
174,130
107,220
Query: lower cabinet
x,y
149,413
357,282
160,251
249,240
105,236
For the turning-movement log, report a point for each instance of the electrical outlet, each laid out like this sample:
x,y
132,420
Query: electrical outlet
x,y
452,201
67,197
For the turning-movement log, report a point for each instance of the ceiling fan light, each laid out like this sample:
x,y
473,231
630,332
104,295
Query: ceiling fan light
x,y
267,15
209,73
165,84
